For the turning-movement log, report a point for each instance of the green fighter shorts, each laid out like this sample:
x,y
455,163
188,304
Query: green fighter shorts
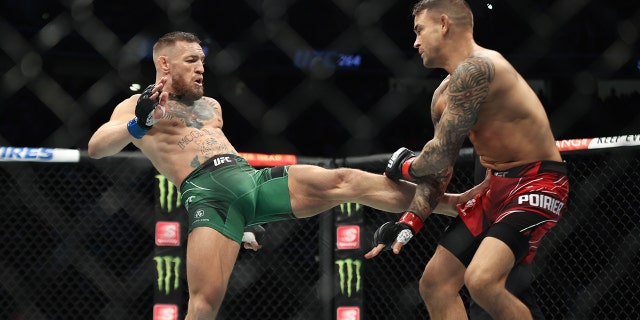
x,y
225,193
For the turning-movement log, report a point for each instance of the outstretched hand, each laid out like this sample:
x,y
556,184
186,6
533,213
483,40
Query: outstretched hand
x,y
396,247
393,235
163,97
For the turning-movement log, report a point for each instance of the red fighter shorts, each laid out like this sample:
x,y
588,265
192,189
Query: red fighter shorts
x,y
520,205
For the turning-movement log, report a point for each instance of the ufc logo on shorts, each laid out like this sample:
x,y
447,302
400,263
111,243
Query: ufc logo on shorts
x,y
542,201
221,161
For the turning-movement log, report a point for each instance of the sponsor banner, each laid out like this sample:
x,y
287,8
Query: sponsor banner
x,y
349,273
168,273
348,262
169,253
165,312
348,237
351,212
573,144
39,154
169,197
598,143
348,313
269,160
168,233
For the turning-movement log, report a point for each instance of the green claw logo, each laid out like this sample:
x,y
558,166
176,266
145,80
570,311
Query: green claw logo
x,y
168,268
169,194
350,278
350,208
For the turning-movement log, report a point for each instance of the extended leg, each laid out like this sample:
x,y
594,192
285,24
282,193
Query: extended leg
x,y
315,189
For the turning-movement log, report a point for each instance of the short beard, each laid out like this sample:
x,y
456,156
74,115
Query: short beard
x,y
183,91
432,60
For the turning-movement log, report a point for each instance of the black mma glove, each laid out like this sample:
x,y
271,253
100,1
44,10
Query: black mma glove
x,y
143,121
399,165
254,233
401,231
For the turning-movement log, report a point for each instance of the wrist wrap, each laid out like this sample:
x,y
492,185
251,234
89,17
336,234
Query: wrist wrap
x,y
135,129
412,220
406,169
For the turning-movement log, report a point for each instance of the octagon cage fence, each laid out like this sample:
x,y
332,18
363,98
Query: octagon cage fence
x,y
104,239
336,83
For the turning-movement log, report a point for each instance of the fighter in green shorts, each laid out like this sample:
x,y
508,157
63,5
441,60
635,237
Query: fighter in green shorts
x,y
175,126
225,193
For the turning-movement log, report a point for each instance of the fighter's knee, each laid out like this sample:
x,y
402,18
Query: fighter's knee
x,y
428,285
203,306
479,284
199,307
345,181
346,175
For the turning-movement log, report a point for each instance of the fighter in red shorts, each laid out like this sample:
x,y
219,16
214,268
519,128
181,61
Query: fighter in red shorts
x,y
520,205
485,100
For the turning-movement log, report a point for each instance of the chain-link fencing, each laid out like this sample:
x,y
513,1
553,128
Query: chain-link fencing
x,y
316,77
78,244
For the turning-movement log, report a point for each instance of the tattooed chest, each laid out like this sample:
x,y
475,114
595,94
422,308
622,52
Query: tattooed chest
x,y
206,142
198,115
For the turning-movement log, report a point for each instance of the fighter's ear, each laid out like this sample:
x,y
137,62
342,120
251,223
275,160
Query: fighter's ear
x,y
445,23
163,64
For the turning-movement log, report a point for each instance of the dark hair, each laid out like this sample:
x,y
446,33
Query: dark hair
x,y
457,10
173,37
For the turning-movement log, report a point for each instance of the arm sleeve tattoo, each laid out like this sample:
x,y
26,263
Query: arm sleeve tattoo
x,y
468,87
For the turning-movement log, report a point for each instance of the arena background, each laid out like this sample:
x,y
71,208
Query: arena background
x,y
329,81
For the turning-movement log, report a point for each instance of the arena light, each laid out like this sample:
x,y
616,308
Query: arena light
x,y
135,87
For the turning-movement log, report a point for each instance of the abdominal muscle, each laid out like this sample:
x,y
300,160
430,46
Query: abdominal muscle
x,y
510,147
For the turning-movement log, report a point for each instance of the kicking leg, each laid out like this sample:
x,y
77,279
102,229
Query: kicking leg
x,y
315,189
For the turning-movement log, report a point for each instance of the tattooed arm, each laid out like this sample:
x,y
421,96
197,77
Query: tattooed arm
x,y
467,89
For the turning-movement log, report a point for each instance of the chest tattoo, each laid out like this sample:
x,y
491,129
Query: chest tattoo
x,y
194,115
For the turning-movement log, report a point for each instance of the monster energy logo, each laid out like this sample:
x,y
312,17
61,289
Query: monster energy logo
x,y
168,268
350,208
349,272
167,191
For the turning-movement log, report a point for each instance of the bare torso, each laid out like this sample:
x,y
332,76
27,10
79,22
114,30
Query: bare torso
x,y
185,138
512,126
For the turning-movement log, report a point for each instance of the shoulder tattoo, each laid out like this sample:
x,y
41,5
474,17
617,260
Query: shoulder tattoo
x,y
469,83
468,88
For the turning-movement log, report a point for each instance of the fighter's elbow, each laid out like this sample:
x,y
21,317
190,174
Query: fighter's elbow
x,y
94,151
